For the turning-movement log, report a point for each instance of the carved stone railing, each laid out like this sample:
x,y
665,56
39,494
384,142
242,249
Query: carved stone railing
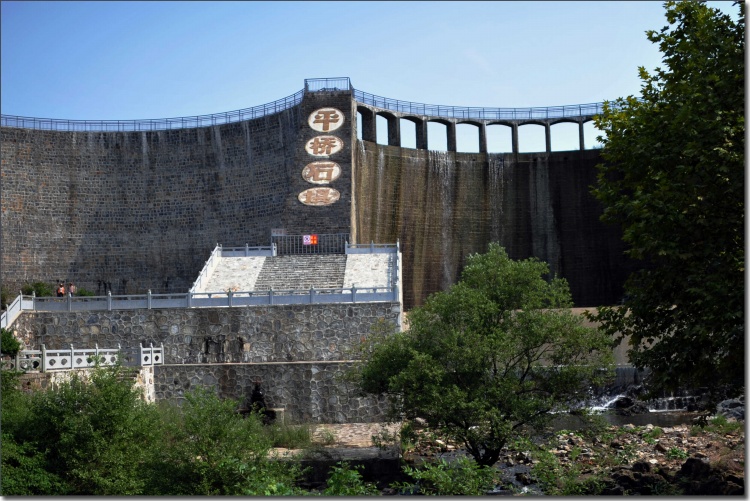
x,y
46,360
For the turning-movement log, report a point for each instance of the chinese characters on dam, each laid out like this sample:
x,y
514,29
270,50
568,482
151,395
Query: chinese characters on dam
x,y
322,172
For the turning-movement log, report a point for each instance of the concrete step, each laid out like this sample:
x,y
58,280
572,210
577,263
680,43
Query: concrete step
x,y
302,272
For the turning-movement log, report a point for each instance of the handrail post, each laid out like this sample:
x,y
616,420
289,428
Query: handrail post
x,y
33,300
270,295
311,295
44,358
189,299
96,353
230,294
148,299
354,292
372,246
247,249
109,300
72,362
70,301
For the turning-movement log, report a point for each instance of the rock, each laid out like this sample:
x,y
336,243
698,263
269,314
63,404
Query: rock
x,y
732,408
420,422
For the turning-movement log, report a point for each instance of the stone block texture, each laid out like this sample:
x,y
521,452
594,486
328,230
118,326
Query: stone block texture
x,y
297,352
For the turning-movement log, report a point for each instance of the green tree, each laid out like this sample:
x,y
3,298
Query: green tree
x,y
9,345
207,448
82,437
674,177
499,350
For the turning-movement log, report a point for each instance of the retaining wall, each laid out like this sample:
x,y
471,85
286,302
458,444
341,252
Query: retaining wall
x,y
297,352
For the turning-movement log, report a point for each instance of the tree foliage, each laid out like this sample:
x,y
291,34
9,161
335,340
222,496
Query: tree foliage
x,y
98,437
499,350
673,177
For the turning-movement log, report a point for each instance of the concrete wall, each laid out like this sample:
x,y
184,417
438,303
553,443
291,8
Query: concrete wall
x,y
443,206
297,352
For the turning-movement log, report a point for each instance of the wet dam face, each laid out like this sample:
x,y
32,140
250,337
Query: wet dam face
x,y
443,206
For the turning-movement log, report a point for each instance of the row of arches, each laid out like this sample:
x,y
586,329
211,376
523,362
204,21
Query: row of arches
x,y
476,136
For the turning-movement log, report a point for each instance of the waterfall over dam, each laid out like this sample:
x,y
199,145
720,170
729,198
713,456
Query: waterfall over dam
x,y
443,206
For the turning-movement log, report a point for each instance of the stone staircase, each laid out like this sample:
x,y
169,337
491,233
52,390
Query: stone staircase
x,y
302,272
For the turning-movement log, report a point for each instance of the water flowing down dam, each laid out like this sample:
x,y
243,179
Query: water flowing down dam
x,y
443,206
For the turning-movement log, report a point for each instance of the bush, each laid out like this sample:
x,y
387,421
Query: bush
x,y
9,345
5,298
463,477
347,481
40,289
207,448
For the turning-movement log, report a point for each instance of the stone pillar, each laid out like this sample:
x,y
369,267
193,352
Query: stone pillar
x,y
482,137
451,132
580,134
547,137
421,132
514,137
369,125
394,131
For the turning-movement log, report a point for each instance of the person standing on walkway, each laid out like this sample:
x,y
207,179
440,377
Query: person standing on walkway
x,y
72,288
61,290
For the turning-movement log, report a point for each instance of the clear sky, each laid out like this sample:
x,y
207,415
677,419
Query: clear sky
x,y
135,60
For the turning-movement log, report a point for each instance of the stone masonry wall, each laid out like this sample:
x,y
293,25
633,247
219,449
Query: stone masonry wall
x,y
443,206
140,210
297,352
308,392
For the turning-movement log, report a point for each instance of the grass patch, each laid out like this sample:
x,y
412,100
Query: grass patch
x,y
297,436
720,424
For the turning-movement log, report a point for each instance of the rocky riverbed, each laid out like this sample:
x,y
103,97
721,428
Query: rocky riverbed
x,y
616,460
611,460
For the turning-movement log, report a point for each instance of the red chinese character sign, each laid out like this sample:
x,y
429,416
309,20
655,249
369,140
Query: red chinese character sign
x,y
309,239
323,146
319,196
321,172
323,120
326,119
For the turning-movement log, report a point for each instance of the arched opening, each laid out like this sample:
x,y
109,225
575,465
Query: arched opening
x,y
381,124
408,133
467,138
437,136
564,136
531,138
499,138
590,134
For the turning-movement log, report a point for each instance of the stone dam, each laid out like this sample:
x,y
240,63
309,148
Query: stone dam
x,y
134,206
126,207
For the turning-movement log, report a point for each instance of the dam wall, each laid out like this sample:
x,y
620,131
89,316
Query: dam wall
x,y
137,210
132,211
443,206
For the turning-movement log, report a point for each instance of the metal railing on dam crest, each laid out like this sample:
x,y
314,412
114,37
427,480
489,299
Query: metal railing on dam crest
x,y
311,85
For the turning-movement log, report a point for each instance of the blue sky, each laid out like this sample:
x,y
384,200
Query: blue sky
x,y
136,60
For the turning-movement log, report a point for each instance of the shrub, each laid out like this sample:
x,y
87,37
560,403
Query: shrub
x,y
9,345
463,477
40,289
346,480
